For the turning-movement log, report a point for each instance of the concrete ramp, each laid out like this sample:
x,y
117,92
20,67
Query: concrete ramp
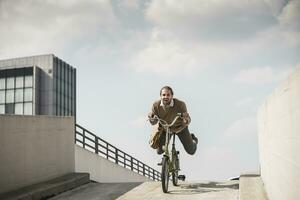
x,y
228,190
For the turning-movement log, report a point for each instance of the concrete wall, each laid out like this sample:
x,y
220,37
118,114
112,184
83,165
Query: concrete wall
x,y
34,149
279,140
103,170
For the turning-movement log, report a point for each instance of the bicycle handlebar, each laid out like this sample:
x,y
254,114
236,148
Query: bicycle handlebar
x,y
164,123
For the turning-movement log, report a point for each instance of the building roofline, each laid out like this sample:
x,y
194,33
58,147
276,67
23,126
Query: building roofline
x,y
50,54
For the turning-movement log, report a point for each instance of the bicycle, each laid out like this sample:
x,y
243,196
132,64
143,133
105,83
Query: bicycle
x,y
170,162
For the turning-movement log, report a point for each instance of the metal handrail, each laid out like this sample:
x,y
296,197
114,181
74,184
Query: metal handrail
x,y
92,142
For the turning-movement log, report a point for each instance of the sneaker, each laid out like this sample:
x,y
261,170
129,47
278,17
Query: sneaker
x,y
194,138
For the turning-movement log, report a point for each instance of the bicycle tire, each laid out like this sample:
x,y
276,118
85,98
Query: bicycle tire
x,y
175,178
175,172
165,174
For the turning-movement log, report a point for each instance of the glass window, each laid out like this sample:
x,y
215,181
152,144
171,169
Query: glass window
x,y
28,94
19,82
27,108
10,96
19,95
28,81
10,83
58,86
2,109
2,96
9,108
63,73
19,108
2,83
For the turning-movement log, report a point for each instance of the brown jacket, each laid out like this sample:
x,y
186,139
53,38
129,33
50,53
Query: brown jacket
x,y
169,113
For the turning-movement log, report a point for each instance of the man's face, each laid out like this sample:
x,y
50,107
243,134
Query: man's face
x,y
166,96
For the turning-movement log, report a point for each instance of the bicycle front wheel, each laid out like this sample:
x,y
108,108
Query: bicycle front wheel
x,y
175,178
165,174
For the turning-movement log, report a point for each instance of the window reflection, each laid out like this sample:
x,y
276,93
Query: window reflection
x,y
2,83
19,108
28,94
28,81
19,82
2,96
9,108
10,83
10,96
2,109
19,95
27,108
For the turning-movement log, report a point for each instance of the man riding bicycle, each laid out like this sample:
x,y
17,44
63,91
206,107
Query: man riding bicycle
x,y
167,109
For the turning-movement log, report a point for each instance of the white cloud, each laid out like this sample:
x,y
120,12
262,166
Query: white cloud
x,y
129,4
276,6
289,22
242,129
261,75
216,20
165,59
34,27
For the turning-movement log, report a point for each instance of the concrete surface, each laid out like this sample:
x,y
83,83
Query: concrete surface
x,y
103,170
279,140
48,188
251,187
97,191
227,190
34,149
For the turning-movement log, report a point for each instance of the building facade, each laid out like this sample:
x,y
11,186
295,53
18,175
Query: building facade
x,y
37,85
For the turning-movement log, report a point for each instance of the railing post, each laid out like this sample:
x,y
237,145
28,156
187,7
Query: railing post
x,y
83,139
107,157
124,160
117,156
96,145
143,169
131,163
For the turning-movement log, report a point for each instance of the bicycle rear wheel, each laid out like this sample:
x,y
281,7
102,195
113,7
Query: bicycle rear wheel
x,y
165,174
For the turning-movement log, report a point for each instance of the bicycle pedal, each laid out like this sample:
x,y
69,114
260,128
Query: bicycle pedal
x,y
177,152
181,177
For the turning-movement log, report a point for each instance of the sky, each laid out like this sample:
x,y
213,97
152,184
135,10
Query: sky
x,y
222,57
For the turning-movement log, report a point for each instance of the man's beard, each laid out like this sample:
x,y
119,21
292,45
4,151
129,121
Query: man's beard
x,y
166,102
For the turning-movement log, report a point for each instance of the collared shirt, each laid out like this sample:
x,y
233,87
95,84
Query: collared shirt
x,y
171,104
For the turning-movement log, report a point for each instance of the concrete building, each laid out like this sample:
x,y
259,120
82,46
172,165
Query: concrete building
x,y
37,85
279,140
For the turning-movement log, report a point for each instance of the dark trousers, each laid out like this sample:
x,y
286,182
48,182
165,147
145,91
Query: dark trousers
x,y
186,139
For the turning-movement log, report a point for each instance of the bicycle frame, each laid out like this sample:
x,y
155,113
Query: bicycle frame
x,y
170,163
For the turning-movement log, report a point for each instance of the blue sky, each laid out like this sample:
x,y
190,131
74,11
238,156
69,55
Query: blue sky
x,y
223,58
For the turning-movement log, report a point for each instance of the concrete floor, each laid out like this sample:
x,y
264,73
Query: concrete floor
x,y
228,190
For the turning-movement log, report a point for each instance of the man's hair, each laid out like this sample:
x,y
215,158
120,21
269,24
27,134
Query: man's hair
x,y
167,88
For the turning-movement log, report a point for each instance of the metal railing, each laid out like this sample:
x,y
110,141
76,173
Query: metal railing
x,y
93,143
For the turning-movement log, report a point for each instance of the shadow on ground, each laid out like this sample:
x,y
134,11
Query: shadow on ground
x,y
198,188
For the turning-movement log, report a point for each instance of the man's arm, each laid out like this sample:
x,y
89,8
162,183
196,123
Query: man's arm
x,y
151,116
185,115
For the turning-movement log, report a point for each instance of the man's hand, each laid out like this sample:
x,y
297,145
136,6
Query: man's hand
x,y
186,118
152,120
150,115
